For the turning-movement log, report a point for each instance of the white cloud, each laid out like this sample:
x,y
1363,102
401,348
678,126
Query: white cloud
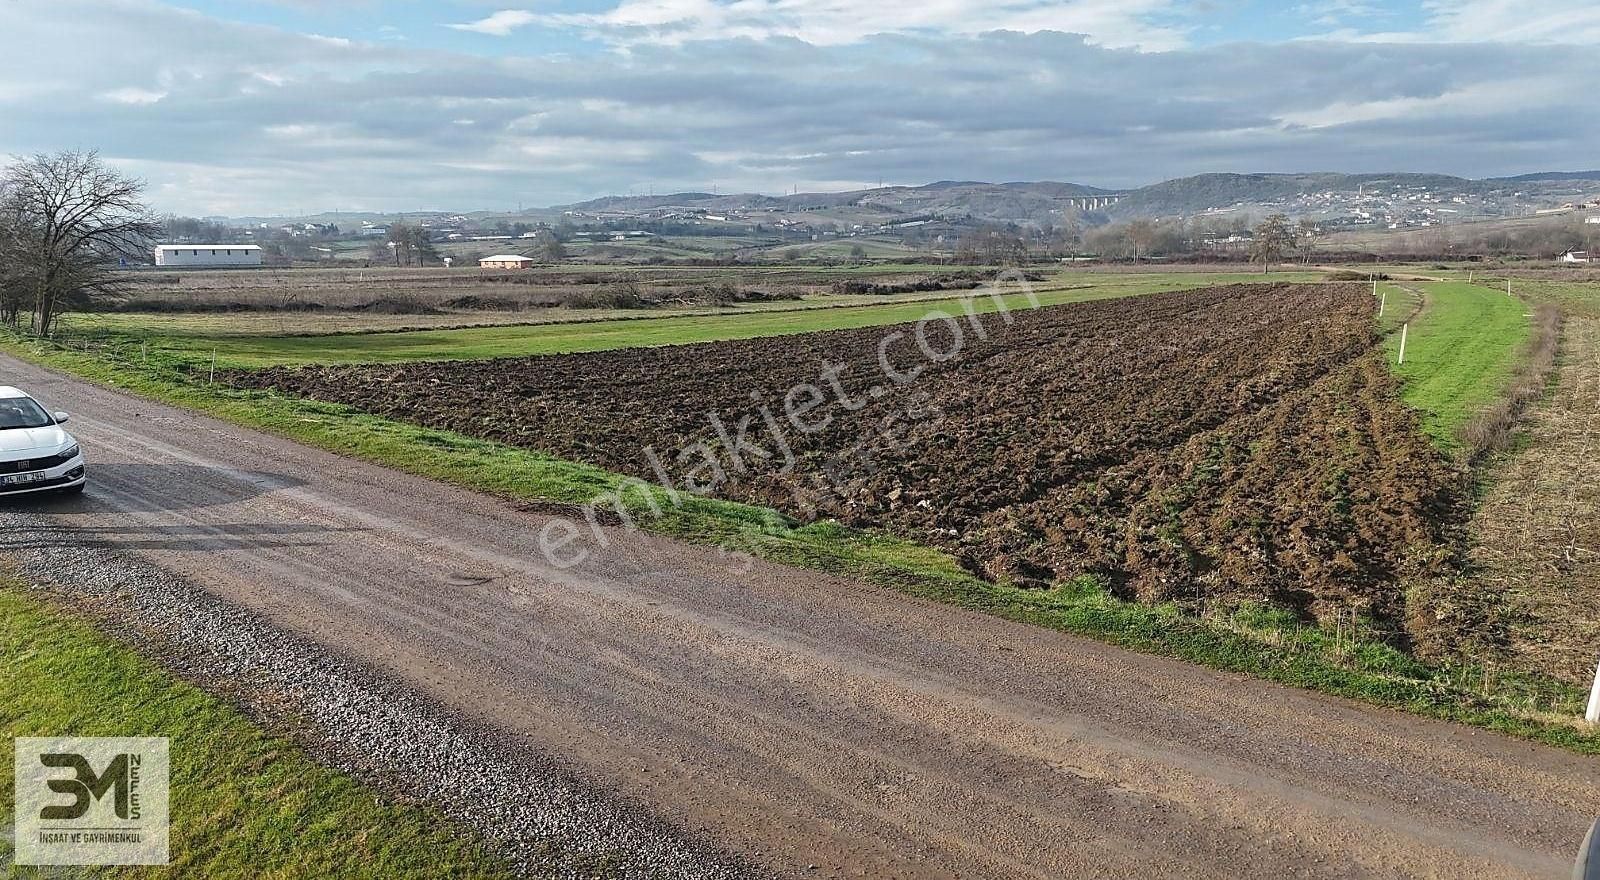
x,y
1545,21
1486,99
1112,23
131,95
1334,13
1565,22
500,24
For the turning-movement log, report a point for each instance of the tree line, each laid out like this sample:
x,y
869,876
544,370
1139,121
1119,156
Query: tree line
x,y
1272,241
67,221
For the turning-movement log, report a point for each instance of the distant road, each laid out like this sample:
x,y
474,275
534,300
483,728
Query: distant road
x,y
807,720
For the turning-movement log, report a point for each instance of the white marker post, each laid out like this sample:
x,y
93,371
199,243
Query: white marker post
x,y
1404,329
1383,303
213,379
1508,287
1592,715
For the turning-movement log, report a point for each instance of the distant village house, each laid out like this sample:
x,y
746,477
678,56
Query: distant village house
x,y
506,261
241,256
1575,257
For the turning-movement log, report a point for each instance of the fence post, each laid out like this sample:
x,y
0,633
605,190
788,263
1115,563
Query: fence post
x,y
1592,714
1404,329
213,380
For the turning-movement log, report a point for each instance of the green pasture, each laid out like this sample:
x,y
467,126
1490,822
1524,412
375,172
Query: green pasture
x,y
1461,351
166,336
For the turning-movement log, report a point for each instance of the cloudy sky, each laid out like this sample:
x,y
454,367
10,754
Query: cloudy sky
x,y
295,106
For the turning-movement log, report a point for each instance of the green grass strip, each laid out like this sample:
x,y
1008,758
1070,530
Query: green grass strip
x,y
1461,351
244,804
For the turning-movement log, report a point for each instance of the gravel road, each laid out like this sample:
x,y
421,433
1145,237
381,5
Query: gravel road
x,y
811,725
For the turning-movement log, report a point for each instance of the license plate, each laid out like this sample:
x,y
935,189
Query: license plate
x,y
14,479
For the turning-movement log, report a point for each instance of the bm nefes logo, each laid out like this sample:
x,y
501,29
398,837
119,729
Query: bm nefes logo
x,y
120,778
92,800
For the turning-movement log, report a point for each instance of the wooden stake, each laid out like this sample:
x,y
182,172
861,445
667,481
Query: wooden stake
x,y
1404,329
1592,715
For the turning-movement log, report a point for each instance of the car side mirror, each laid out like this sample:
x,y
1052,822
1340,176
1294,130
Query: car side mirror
x,y
1588,866
61,417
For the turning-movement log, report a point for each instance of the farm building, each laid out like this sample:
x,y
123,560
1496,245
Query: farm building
x,y
1575,257
209,255
506,261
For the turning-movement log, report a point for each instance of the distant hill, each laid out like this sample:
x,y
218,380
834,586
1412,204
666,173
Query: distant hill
x,y
1399,198
1032,202
1187,196
1553,175
1394,200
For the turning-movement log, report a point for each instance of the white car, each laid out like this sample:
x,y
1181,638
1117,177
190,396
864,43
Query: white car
x,y
36,455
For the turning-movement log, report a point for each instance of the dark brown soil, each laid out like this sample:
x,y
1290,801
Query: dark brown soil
x,y
1240,441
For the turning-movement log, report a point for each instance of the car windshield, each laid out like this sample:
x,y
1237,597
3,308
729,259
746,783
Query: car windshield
x,y
22,412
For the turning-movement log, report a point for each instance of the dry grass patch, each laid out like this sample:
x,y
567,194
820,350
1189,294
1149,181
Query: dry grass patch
x,y
1537,560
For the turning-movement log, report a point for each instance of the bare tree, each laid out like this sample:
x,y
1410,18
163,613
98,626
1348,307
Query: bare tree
x,y
65,222
411,245
1273,238
16,282
1068,238
1307,234
551,248
1141,235
422,246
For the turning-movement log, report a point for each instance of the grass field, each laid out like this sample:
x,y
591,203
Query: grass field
x,y
1577,298
216,325
235,350
244,804
1461,351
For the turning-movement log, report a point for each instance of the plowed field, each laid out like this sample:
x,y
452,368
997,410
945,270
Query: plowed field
x,y
1242,441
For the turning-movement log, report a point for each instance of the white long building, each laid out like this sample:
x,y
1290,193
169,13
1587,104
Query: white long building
x,y
208,255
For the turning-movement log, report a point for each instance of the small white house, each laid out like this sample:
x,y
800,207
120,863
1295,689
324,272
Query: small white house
x,y
1595,220
1575,257
209,255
